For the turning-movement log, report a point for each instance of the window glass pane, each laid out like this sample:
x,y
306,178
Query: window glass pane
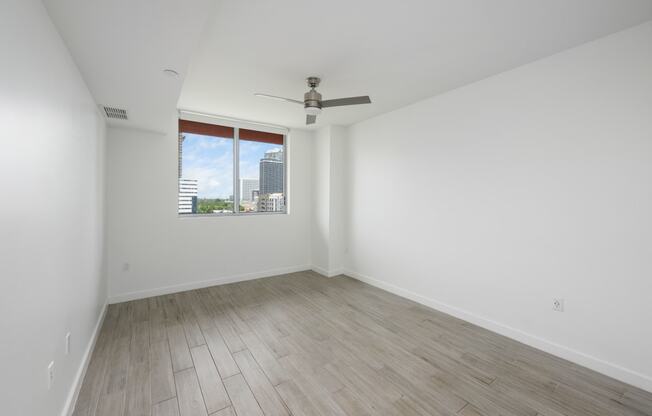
x,y
262,172
205,174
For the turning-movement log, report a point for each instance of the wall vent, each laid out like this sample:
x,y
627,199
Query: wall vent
x,y
115,113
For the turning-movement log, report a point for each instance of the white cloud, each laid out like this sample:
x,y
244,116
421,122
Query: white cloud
x,y
210,162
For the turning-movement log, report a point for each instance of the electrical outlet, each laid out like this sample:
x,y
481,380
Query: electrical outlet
x,y
50,374
68,343
558,305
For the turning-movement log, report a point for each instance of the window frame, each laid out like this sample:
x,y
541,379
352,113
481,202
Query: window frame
x,y
237,125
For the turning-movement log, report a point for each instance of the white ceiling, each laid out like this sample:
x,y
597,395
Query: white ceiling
x,y
122,46
397,52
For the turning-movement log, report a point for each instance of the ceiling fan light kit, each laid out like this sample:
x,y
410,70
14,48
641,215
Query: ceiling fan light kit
x,y
312,102
313,111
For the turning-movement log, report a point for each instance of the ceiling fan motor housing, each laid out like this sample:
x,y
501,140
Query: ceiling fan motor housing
x,y
312,102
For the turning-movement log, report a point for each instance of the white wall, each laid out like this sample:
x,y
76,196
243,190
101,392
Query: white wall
x,y
167,253
51,215
327,187
491,200
337,201
320,194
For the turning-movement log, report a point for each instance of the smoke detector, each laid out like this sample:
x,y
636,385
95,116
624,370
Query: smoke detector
x,y
171,73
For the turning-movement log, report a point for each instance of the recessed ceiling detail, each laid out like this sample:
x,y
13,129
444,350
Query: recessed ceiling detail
x,y
396,52
122,46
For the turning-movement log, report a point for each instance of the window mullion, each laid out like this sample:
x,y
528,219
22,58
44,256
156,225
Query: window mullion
x,y
285,174
236,171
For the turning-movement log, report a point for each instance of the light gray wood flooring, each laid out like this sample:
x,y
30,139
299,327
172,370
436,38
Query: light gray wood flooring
x,y
301,344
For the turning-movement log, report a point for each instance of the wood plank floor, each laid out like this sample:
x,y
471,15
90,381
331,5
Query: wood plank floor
x,y
300,344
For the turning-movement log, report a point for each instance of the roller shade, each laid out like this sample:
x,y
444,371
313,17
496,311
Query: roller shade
x,y
260,136
205,129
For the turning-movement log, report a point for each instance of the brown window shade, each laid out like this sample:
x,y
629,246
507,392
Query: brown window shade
x,y
195,127
261,136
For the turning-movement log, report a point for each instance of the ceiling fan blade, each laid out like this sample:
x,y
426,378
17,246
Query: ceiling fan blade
x,y
310,119
274,97
364,99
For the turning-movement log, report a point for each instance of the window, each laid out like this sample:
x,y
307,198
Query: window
x,y
220,165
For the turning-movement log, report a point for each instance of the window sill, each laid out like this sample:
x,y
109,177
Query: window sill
x,y
232,214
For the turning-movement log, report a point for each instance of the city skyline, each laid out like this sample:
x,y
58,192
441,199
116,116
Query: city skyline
x,y
248,186
272,171
209,160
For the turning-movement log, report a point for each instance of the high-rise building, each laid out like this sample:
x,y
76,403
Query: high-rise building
x,y
182,137
271,202
272,172
187,196
247,188
274,154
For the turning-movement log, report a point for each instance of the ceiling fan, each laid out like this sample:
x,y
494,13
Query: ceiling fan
x,y
313,103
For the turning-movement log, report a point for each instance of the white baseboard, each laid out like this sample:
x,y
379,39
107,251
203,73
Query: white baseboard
x,y
623,374
326,273
69,407
141,294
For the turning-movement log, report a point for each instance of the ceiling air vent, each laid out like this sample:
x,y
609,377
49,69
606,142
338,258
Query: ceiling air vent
x,y
115,113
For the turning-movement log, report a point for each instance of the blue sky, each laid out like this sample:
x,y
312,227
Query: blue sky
x,y
210,160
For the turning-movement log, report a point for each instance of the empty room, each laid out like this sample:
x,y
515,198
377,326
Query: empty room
x,y
349,208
